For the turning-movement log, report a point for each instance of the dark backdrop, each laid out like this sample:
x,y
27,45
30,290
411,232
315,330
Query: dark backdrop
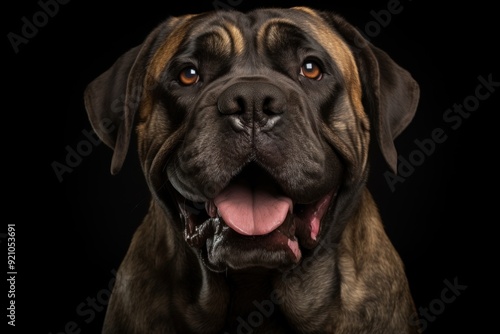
x,y
72,232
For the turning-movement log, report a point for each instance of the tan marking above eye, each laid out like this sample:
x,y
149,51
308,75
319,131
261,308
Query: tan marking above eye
x,y
165,52
268,33
311,70
236,37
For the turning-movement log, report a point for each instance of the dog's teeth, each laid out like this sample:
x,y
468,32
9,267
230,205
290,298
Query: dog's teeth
x,y
211,209
218,225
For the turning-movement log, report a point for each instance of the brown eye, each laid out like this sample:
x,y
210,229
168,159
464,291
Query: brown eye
x,y
189,76
311,70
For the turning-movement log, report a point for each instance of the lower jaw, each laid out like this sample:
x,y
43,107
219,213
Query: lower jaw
x,y
223,248
230,250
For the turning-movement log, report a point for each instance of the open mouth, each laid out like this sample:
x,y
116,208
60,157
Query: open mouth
x,y
252,217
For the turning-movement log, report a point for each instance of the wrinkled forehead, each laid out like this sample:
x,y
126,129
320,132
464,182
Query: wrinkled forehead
x,y
223,34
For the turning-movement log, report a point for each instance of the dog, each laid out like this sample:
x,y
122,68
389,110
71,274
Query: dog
x,y
254,132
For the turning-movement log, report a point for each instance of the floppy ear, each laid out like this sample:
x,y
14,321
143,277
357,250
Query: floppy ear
x,y
108,107
113,99
390,94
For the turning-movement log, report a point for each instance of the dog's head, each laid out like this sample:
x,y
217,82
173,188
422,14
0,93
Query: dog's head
x,y
256,125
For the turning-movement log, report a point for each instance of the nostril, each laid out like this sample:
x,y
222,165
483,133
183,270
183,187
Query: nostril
x,y
240,101
273,106
267,106
229,105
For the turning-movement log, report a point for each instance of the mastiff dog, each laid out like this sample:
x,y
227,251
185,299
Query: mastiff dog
x,y
254,134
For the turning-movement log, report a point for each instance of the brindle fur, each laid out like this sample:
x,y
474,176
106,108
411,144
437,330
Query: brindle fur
x,y
354,282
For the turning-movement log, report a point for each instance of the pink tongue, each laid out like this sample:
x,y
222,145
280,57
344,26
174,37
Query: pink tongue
x,y
252,209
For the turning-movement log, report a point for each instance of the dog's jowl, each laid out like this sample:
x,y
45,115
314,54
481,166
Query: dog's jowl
x,y
253,133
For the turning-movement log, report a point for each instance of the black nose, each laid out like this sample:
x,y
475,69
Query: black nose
x,y
252,105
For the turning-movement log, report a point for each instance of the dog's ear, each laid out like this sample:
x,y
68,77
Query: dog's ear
x,y
390,94
113,99
110,107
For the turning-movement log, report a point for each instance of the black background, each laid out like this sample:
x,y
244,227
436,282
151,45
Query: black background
x,y
70,235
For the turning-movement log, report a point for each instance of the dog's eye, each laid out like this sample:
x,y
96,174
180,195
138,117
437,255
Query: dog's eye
x,y
189,76
311,70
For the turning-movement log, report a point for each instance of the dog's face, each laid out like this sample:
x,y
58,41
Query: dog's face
x,y
254,127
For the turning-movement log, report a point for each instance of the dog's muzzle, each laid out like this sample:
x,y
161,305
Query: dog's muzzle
x,y
252,219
